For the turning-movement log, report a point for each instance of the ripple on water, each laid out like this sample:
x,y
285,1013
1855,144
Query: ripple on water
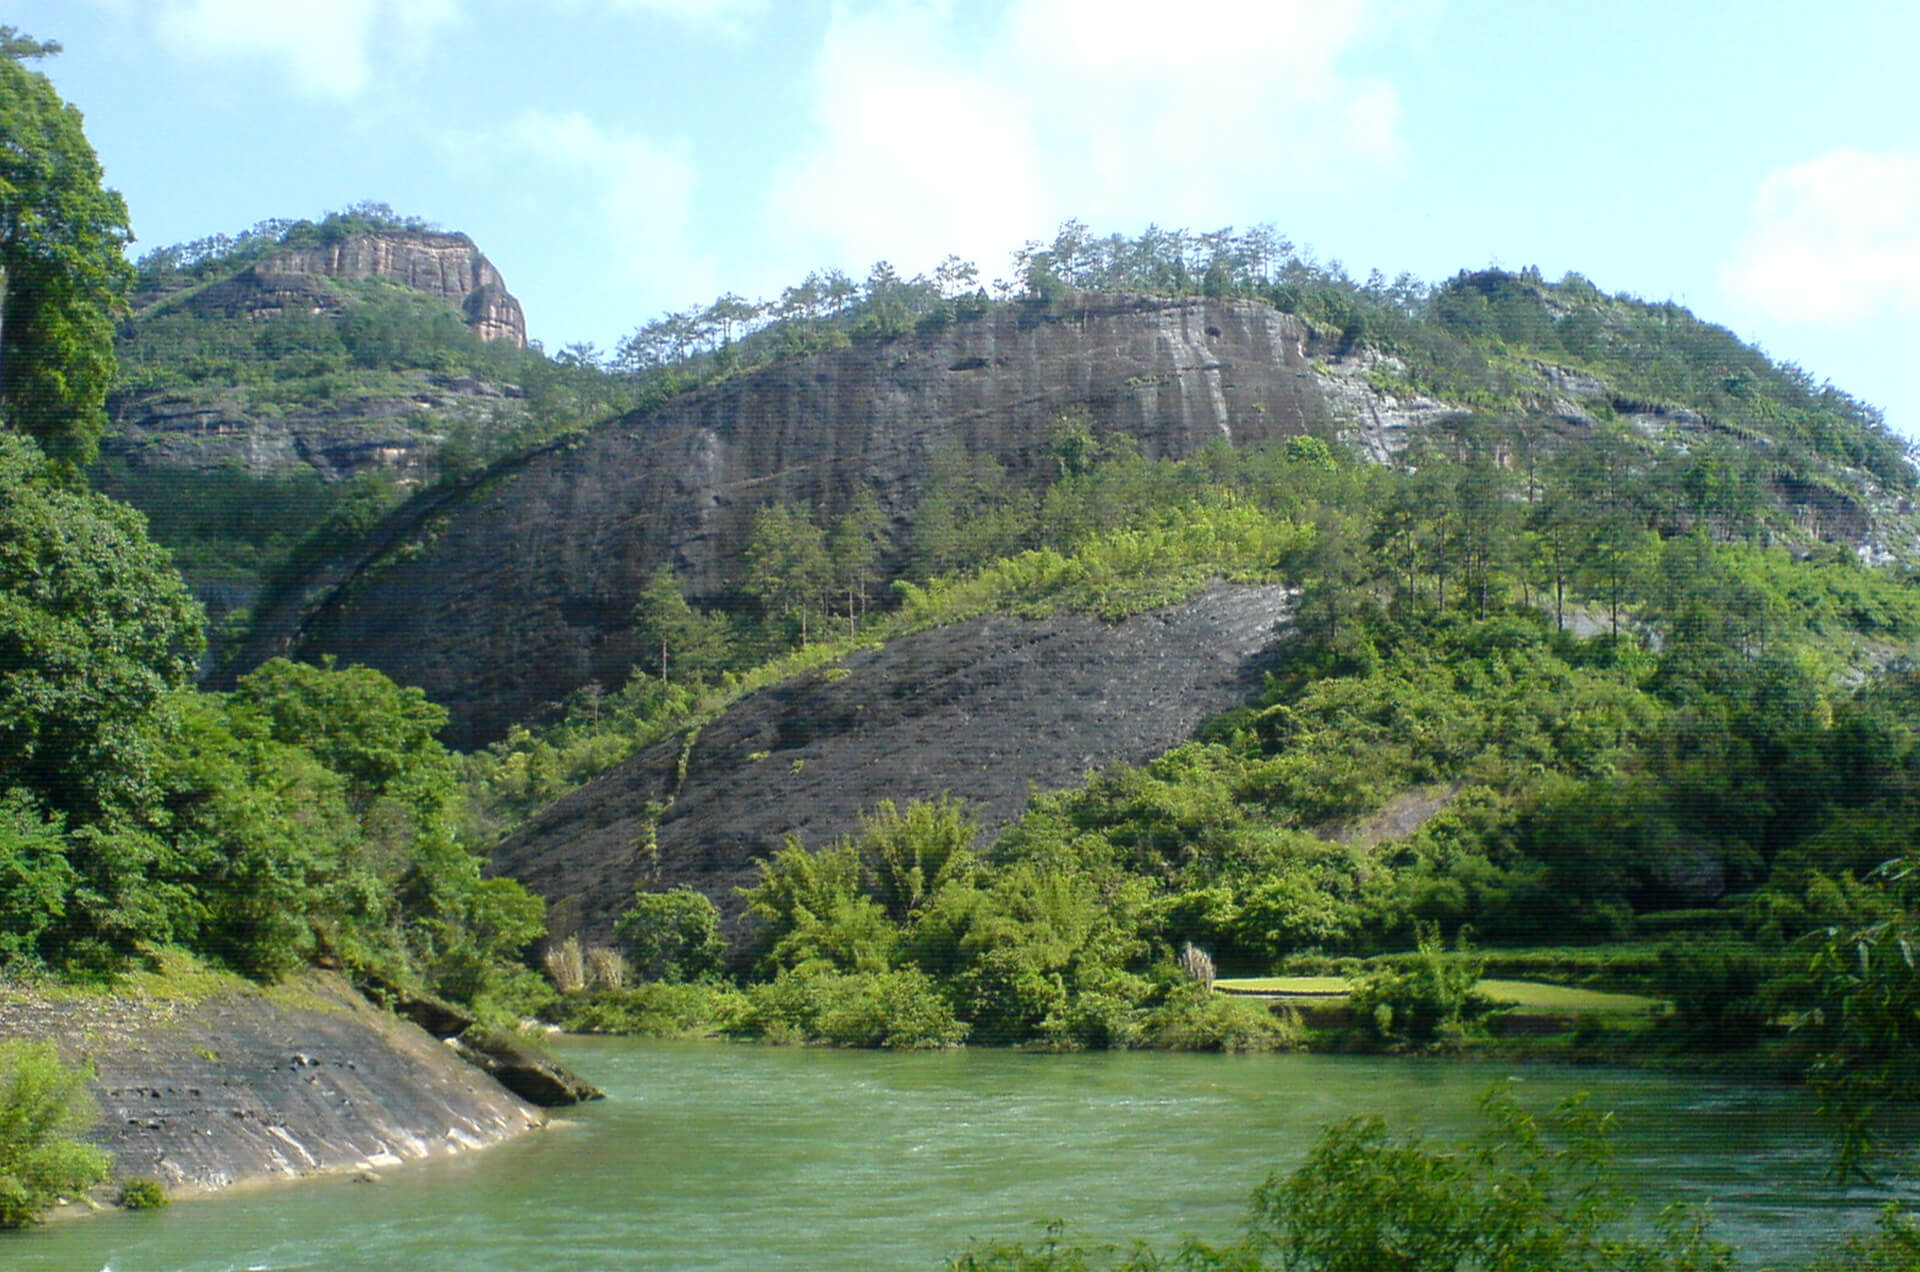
x,y
715,1157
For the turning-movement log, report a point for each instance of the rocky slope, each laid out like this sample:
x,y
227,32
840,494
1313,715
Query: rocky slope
x,y
247,1085
519,592
989,710
447,266
162,432
338,434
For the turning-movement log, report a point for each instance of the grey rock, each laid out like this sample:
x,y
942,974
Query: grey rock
x,y
520,591
249,1085
988,710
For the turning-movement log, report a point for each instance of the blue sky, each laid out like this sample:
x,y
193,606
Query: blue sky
x,y
1756,161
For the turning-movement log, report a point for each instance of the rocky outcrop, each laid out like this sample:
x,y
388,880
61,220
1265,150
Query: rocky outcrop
x,y
521,591
448,266
989,710
160,432
249,1085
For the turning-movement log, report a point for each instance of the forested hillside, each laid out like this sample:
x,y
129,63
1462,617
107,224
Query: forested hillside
x,y
1600,632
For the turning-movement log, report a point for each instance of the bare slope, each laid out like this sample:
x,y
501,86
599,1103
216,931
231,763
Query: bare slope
x,y
988,710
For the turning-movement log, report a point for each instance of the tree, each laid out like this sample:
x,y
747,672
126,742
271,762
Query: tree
x,y
690,642
852,548
43,1106
96,629
672,936
62,271
813,912
787,564
910,856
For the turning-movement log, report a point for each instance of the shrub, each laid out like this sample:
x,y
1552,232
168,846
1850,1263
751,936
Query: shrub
x,y
143,1192
899,1010
43,1104
659,1011
1367,1199
1412,1002
1194,1018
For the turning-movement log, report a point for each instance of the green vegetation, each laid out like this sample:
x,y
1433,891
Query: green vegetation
x,y
62,275
1527,1194
1539,687
44,1105
143,1192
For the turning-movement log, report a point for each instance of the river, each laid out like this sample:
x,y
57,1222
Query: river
x,y
710,1156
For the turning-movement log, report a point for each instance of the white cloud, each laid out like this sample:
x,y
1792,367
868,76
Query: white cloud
x,y
1833,240
644,192
933,135
326,47
727,17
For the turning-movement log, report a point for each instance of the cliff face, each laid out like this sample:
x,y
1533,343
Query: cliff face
x,y
988,710
448,266
400,434
336,435
521,591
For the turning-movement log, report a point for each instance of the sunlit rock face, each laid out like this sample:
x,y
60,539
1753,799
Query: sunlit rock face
x,y
521,590
448,266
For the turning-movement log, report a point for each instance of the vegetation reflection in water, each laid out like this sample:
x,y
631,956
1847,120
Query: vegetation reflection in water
x,y
725,1157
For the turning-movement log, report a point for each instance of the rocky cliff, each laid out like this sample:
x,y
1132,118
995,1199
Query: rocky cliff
x,y
397,433
989,710
248,1084
291,427
519,591
447,266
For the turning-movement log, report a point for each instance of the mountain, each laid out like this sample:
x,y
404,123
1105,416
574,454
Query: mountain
x,y
520,590
302,377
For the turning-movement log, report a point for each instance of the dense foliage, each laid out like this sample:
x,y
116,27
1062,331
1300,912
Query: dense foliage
x,y
62,274
44,1107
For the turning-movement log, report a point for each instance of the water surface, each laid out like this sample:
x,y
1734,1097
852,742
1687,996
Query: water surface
x,y
710,1156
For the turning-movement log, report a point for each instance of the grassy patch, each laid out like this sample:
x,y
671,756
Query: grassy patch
x,y
1535,996
1526,997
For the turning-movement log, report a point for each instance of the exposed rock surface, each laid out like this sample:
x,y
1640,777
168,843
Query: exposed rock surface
x,y
520,592
169,431
448,266
988,710
172,432
533,1078
248,1086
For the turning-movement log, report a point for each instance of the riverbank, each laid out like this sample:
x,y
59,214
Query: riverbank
x,y
208,1082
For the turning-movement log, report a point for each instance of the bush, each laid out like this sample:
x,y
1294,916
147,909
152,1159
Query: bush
x,y
658,1011
43,1104
1194,1018
899,1010
143,1192
1412,1002
1367,1200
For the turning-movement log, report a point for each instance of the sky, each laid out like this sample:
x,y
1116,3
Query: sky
x,y
1755,160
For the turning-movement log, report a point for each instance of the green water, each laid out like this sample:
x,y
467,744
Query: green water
x,y
713,1156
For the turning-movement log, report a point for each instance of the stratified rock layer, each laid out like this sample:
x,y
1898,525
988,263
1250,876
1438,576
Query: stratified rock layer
x,y
247,1086
522,591
988,710
448,266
